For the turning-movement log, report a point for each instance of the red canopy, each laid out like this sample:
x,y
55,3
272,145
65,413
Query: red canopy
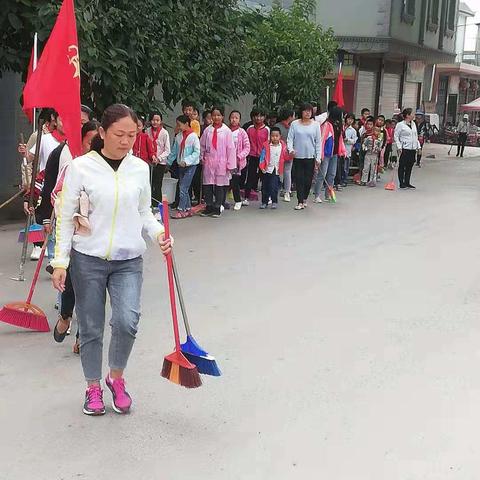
x,y
472,106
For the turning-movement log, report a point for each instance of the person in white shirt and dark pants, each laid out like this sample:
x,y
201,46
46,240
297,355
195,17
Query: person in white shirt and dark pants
x,y
462,130
406,139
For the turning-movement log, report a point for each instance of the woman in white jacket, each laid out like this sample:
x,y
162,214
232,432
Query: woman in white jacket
x,y
109,258
406,140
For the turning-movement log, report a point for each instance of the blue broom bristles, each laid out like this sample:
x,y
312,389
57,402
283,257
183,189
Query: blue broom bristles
x,y
205,363
191,346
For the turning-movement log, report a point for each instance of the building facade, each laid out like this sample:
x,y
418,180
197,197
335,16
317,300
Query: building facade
x,y
391,47
456,83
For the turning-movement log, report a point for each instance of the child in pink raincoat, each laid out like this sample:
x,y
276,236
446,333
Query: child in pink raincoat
x,y
242,148
219,159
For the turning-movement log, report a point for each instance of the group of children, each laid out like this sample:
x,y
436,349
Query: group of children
x,y
221,155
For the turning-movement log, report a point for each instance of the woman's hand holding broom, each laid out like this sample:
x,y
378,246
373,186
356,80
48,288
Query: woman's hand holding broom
x,y
165,244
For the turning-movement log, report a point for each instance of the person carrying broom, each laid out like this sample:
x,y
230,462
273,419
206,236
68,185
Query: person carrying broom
x,y
110,258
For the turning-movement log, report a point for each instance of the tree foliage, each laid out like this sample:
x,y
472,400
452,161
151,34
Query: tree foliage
x,y
208,51
290,55
192,49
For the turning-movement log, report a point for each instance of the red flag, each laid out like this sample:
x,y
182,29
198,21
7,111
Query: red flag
x,y
55,82
29,111
338,93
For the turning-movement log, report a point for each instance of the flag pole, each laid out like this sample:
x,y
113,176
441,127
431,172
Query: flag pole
x,y
34,66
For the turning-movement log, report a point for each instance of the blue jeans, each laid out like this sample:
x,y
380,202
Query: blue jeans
x,y
327,171
185,177
270,187
92,277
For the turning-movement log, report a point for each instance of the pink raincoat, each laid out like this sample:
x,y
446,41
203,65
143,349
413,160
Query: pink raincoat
x,y
217,163
242,144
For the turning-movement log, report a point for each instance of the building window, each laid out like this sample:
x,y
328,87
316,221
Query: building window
x,y
433,12
451,17
408,11
348,59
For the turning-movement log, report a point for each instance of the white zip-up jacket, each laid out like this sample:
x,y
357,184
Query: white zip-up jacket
x,y
406,137
119,209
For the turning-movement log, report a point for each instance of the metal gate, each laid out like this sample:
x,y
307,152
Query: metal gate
x,y
366,86
390,94
410,95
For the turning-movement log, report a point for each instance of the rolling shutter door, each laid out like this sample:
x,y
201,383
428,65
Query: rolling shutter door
x,y
390,94
410,95
366,86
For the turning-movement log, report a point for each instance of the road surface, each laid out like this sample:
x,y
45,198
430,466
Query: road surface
x,y
348,335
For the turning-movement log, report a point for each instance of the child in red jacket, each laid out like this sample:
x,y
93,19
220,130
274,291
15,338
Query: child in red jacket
x,y
143,146
272,160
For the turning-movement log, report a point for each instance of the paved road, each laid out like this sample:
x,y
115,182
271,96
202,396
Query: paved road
x,y
348,335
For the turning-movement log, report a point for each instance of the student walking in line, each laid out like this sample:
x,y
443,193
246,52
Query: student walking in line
x,y
258,133
110,258
351,138
53,185
219,160
372,145
304,145
387,156
242,148
422,132
143,147
406,140
186,152
272,161
333,147
286,117
190,110
161,149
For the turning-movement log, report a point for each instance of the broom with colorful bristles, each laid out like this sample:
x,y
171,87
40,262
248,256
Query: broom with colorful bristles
x,y
35,234
332,196
205,363
30,216
176,366
25,314
391,184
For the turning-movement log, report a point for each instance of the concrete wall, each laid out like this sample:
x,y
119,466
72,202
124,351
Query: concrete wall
x,y
355,18
13,122
401,30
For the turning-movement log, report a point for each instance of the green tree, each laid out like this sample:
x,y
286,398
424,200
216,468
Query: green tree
x,y
290,55
193,50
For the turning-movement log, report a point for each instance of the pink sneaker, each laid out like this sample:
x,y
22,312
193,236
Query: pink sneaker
x,y
94,401
121,399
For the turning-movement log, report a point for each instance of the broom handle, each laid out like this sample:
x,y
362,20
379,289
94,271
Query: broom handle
x,y
23,258
180,297
30,199
39,263
171,287
37,270
12,198
35,162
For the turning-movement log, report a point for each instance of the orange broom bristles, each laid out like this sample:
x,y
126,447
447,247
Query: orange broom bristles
x,y
333,196
179,370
